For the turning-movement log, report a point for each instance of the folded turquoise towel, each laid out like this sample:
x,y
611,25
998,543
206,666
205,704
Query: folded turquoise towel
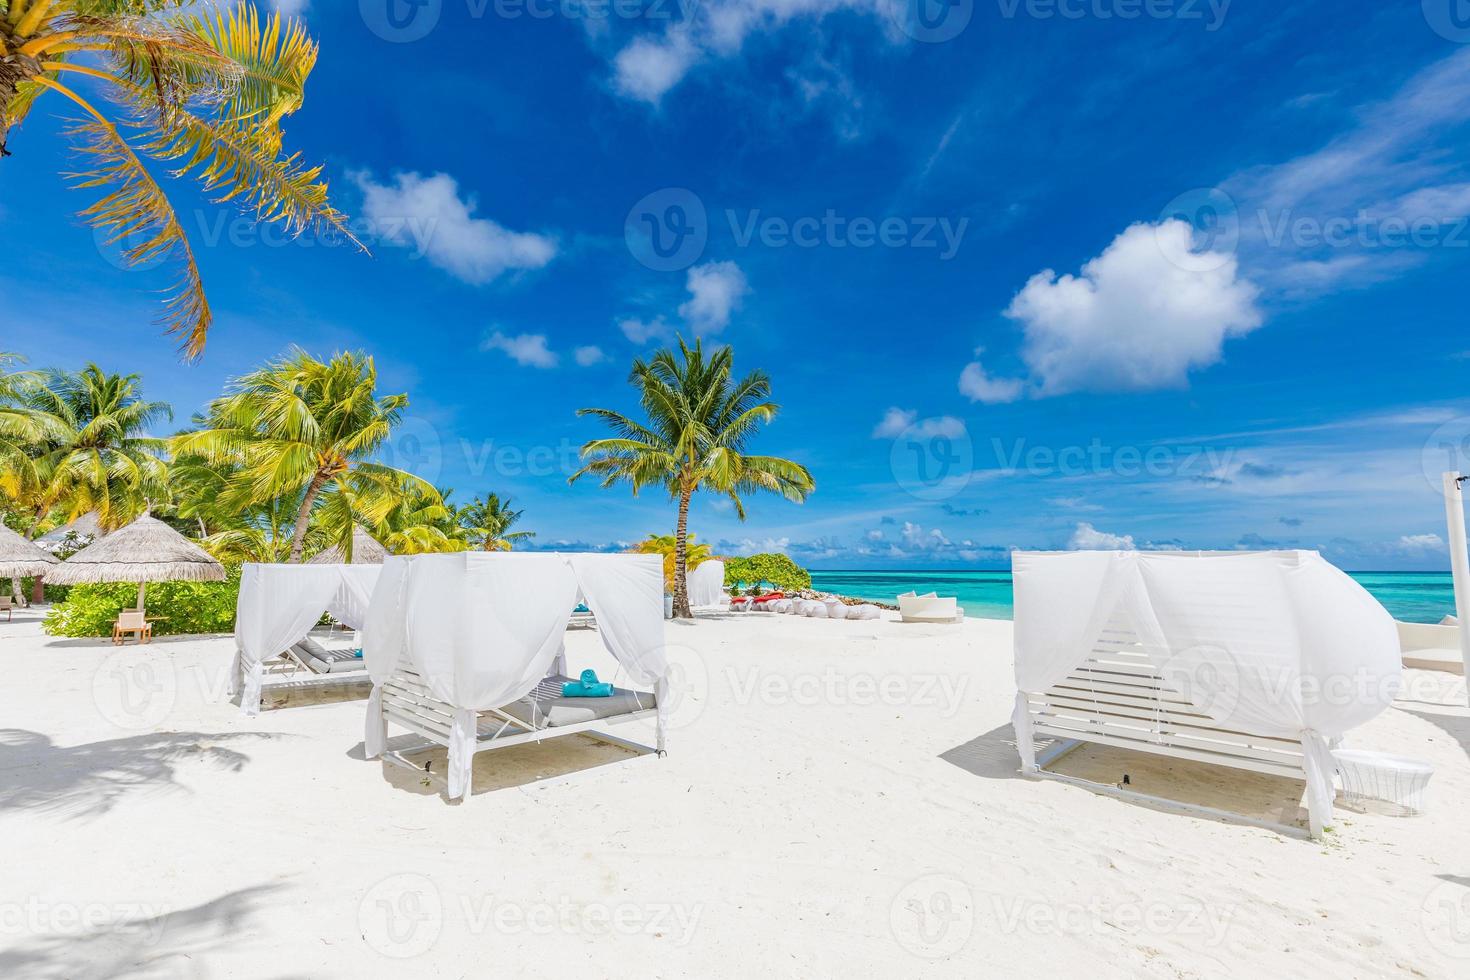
x,y
586,687
357,653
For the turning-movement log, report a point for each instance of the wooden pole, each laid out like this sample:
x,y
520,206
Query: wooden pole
x,y
1454,506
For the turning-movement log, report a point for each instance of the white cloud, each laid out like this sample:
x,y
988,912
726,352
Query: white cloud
x,y
290,8
1135,319
642,331
429,215
978,386
716,290
527,349
1088,538
1420,543
588,356
895,423
648,67
751,546
905,421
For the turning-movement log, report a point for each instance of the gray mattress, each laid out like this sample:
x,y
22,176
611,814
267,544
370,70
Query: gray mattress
x,y
546,708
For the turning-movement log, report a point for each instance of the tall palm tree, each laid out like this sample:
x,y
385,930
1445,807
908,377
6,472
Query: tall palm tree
x,y
196,91
99,457
305,427
487,524
699,423
422,524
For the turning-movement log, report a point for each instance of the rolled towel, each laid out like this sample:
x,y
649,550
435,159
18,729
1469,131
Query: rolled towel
x,y
587,686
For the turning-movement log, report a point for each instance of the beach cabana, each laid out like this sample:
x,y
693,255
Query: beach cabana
x,y
467,650
276,610
707,585
20,558
147,550
1259,661
366,550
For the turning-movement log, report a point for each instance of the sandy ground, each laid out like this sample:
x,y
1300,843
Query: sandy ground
x,y
839,799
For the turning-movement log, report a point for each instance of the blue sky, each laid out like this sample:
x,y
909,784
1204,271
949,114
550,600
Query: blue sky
x,y
1053,274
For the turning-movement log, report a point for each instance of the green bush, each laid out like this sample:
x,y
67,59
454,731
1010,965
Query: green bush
x,y
779,570
191,607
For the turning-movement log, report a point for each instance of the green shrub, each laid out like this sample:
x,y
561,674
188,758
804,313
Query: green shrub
x,y
779,570
191,607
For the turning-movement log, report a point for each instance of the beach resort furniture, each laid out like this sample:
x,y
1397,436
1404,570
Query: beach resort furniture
x,y
22,558
318,659
134,622
929,608
706,584
147,550
1385,778
277,609
7,607
836,609
1252,660
1431,646
468,651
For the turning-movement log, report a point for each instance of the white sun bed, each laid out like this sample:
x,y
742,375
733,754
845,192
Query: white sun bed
x,y
542,714
468,651
929,608
1231,659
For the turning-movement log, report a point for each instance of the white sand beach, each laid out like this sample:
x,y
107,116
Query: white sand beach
x,y
839,799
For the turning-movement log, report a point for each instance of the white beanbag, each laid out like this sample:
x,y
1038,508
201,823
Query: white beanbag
x,y
866,611
816,610
836,610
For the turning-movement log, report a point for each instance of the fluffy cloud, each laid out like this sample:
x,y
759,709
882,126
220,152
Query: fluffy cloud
x,y
429,215
527,349
648,67
1137,318
290,8
1420,543
1088,538
900,421
588,356
642,331
716,290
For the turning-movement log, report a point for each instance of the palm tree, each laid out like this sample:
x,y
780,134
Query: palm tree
x,y
98,457
422,524
487,524
23,430
668,545
308,430
699,422
198,92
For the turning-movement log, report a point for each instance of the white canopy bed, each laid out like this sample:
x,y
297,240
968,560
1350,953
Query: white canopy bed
x,y
1254,660
468,651
707,585
276,610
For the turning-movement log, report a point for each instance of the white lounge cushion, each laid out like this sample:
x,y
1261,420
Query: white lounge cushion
x,y
546,708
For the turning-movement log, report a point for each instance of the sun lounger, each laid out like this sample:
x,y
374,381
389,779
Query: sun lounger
x,y
322,660
544,713
930,608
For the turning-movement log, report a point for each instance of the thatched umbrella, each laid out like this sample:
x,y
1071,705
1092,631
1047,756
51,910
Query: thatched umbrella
x,y
20,558
147,550
365,551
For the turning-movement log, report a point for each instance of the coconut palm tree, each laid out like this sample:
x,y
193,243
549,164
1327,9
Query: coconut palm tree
x,y
667,545
300,426
487,524
189,88
98,456
422,524
699,421
23,430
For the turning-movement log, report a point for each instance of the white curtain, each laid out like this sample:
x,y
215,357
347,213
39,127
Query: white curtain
x,y
1279,644
278,605
707,583
349,604
483,629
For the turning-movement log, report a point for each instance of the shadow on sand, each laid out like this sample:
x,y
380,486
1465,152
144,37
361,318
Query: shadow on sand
x,y
88,780
141,942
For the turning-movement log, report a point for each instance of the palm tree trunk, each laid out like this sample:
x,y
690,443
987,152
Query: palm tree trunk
x,y
681,557
303,516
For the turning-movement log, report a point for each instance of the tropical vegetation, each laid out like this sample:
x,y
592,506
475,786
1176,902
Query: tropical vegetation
x,y
487,524
197,90
774,569
698,423
667,545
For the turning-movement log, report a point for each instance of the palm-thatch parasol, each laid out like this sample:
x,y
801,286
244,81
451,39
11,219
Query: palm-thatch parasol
x,y
20,557
87,526
147,550
365,551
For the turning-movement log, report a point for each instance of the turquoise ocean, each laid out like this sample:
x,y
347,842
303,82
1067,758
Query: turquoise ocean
x,y
1415,597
